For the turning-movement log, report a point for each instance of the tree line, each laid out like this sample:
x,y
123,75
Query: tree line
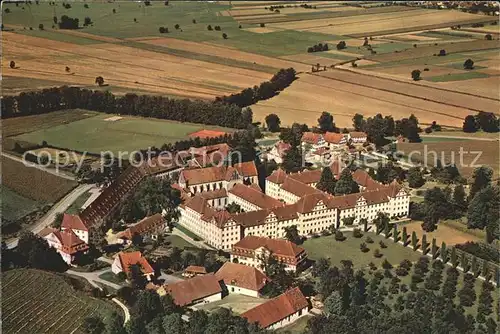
x,y
264,91
485,121
318,47
183,110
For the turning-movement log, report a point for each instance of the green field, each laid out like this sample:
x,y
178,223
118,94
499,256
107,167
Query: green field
x,y
35,301
457,77
94,134
16,206
176,241
328,247
76,206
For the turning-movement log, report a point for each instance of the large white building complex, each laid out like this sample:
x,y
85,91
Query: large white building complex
x,y
290,199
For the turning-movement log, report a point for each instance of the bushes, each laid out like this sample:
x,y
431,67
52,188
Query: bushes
x,y
339,236
67,22
364,248
163,30
318,48
209,27
341,45
369,240
481,250
224,35
357,233
377,253
262,25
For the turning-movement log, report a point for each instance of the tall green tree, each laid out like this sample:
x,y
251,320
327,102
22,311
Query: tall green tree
x,y
292,234
93,325
273,123
334,305
459,199
293,160
470,125
326,123
415,177
345,184
358,122
483,208
481,178
327,181
114,324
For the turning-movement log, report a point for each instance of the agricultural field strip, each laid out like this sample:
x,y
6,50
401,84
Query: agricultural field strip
x,y
25,287
417,91
80,306
374,73
351,20
47,304
84,309
329,15
16,308
130,52
131,72
41,323
389,100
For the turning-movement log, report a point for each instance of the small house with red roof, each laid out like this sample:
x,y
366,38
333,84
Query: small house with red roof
x,y
76,224
66,242
202,134
335,140
151,227
248,171
280,311
196,290
277,152
242,279
252,249
311,140
124,260
357,137
192,271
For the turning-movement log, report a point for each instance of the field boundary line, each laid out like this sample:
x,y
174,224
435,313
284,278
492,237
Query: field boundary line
x,y
405,94
357,71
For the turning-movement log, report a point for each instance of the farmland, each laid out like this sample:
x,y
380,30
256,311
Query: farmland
x,y
34,301
196,62
102,132
33,183
15,206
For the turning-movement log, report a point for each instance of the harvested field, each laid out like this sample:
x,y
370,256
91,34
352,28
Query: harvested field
x,y
89,36
485,86
34,183
444,100
476,153
313,59
304,100
412,37
122,66
222,51
35,301
261,30
444,233
344,53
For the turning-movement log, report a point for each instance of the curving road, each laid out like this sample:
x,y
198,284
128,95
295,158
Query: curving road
x,y
59,207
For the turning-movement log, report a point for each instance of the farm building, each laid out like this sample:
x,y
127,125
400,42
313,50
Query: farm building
x,y
149,227
242,279
252,249
124,260
279,311
66,242
192,271
199,289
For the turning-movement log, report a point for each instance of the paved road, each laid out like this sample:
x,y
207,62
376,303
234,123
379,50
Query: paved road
x,y
45,169
199,244
93,277
48,218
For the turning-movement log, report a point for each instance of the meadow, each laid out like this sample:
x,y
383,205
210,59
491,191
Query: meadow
x,y
35,301
349,249
98,133
16,206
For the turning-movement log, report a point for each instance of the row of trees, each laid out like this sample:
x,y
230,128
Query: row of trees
x,y
266,90
344,186
378,127
486,121
183,110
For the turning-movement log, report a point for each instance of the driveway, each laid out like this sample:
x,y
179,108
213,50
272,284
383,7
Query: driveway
x,y
59,207
93,277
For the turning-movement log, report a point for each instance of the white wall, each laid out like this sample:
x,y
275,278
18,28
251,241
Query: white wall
x,y
288,320
242,291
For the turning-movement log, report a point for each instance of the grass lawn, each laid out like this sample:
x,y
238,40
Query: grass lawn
x,y
176,241
328,247
236,302
15,206
478,134
95,134
188,232
298,327
76,206
111,277
457,77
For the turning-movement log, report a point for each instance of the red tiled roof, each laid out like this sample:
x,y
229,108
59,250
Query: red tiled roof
x,y
278,176
357,134
242,276
207,134
188,291
308,202
297,188
246,169
310,137
277,308
70,243
307,176
208,175
130,258
334,138
361,177
196,269
282,147
208,214
322,151
213,194
254,196
73,222
278,247
148,224
46,231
